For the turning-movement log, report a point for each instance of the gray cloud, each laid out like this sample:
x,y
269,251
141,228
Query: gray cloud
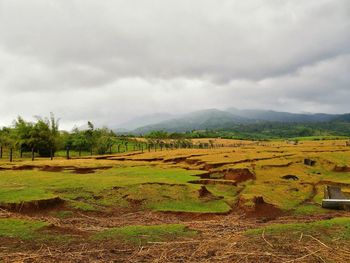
x,y
108,61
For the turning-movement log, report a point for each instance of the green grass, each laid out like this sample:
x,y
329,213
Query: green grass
x,y
165,197
309,209
336,177
30,230
162,189
319,138
143,234
193,206
83,206
229,192
338,158
326,229
22,229
18,186
277,193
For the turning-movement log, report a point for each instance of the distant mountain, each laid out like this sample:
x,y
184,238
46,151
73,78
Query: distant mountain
x,y
343,118
199,120
142,121
214,119
275,116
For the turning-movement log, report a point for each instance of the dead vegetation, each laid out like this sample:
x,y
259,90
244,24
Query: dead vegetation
x,y
220,239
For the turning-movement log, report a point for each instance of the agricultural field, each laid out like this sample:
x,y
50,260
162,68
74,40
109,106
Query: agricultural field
x,y
240,201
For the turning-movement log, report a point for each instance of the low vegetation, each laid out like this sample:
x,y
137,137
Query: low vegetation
x,y
327,230
184,200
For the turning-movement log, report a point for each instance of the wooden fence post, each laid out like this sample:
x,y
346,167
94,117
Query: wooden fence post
x,y
67,153
1,152
32,154
51,154
11,154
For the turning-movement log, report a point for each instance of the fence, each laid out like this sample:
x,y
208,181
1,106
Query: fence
x,y
12,154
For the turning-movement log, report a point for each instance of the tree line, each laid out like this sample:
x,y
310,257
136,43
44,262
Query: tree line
x,y
44,137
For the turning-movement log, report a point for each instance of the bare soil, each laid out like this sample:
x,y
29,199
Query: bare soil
x,y
34,205
239,175
220,238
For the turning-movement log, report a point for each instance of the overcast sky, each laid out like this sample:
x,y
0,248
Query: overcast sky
x,y
108,61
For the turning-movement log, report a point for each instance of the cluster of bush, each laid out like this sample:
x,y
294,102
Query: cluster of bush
x,y
44,137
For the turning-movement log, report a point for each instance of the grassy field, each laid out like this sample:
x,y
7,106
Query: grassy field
x,y
244,190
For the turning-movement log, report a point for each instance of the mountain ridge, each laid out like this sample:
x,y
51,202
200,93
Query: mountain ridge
x,y
214,119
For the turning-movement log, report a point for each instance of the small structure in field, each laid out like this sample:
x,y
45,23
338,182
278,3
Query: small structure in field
x,y
309,162
334,198
292,142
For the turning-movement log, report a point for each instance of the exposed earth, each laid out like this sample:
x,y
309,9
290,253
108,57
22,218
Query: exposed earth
x,y
241,202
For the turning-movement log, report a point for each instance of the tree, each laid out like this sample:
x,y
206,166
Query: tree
x,y
7,137
90,135
156,137
105,139
79,141
82,139
22,134
43,135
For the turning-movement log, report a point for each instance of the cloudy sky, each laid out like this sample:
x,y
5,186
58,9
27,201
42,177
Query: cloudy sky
x,y
111,60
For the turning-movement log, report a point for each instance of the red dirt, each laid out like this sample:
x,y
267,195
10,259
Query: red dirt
x,y
147,160
89,170
239,175
135,203
209,166
310,199
82,170
24,167
290,177
104,157
48,168
34,205
175,160
342,169
205,193
159,183
276,165
193,162
53,229
263,210
204,175
213,181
